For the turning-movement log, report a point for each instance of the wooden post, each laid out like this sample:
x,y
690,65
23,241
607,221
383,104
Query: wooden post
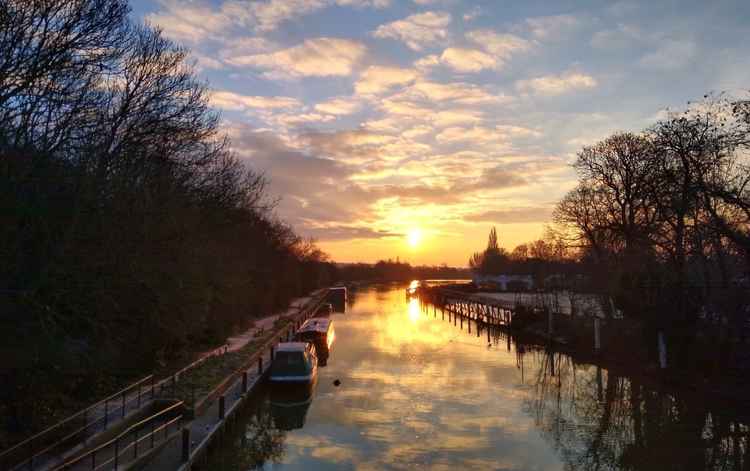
x,y
260,365
244,382
117,452
139,396
549,323
222,407
122,415
271,352
662,350
135,445
106,412
185,444
597,338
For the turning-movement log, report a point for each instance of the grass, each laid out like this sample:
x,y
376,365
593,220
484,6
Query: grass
x,y
198,382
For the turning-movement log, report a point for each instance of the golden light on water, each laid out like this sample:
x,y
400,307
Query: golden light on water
x,y
414,310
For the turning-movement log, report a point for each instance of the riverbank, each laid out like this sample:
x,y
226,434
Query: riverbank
x,y
701,358
191,383
225,384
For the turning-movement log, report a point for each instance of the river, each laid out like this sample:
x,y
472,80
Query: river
x,y
418,392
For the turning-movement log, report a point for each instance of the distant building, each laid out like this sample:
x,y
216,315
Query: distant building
x,y
505,282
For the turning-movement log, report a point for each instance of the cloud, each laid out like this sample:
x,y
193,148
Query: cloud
x,y
338,106
427,62
234,101
454,117
670,55
551,85
553,26
476,135
353,146
348,232
190,22
417,31
196,21
502,46
467,60
268,15
294,119
457,92
319,57
618,38
379,79
513,215
472,14
517,131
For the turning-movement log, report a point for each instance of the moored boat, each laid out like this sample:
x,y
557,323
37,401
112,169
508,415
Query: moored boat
x,y
294,362
320,332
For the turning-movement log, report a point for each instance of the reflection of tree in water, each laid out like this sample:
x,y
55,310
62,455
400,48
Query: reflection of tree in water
x,y
255,441
600,421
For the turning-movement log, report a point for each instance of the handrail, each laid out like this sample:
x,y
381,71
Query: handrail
x,y
310,306
74,416
118,437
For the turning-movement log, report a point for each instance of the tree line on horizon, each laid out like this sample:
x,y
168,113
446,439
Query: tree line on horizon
x,y
130,235
658,219
397,270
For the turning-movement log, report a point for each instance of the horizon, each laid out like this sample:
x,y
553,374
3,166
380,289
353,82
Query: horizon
x,y
375,119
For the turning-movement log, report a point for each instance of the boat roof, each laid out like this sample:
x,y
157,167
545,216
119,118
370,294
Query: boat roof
x,y
291,347
316,324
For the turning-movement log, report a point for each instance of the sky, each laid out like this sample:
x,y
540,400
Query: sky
x,y
408,128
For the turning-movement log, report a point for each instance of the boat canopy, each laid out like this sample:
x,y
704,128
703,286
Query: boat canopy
x,y
315,324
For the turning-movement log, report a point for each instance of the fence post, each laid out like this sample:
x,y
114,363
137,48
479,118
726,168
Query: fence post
x,y
93,459
153,387
139,395
185,444
106,412
597,338
260,365
135,445
662,350
123,405
117,451
271,352
222,407
549,323
153,432
244,382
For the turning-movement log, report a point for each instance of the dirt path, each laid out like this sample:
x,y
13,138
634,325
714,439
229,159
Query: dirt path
x,y
265,323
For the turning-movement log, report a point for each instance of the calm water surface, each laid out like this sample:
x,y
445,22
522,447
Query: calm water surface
x,y
418,392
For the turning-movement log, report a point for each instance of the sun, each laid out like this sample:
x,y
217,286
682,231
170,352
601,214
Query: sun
x,y
414,237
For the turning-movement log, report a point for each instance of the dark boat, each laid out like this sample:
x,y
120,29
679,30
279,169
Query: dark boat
x,y
294,362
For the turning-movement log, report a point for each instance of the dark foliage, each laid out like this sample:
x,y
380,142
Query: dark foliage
x,y
129,234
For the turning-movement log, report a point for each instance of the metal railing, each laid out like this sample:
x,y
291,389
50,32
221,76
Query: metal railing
x,y
126,446
48,445
53,441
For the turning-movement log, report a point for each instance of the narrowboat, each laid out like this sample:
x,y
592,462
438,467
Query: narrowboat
x,y
294,362
319,331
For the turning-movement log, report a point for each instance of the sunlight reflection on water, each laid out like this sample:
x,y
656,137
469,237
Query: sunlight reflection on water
x,y
418,392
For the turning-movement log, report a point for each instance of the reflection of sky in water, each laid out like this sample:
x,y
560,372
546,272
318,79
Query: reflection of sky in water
x,y
416,392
